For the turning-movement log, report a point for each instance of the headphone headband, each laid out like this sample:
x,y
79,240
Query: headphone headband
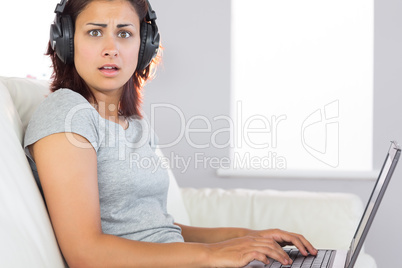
x,y
60,7
151,15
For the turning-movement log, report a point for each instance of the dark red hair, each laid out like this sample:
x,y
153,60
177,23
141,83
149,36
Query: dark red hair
x,y
66,75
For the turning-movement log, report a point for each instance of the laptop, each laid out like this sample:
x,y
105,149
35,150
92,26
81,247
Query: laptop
x,y
343,258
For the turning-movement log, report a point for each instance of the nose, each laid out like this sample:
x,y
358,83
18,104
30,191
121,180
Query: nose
x,y
110,48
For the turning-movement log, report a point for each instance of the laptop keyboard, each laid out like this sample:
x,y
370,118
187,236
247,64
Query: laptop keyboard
x,y
322,259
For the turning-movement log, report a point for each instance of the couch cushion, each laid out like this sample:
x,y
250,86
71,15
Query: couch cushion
x,y
10,112
27,238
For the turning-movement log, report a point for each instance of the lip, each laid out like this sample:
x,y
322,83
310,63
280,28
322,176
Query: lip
x,y
109,70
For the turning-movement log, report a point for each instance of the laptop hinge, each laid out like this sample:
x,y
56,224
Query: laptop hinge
x,y
349,254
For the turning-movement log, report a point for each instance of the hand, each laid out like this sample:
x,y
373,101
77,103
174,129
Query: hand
x,y
284,238
239,252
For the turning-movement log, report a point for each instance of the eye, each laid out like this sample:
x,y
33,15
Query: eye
x,y
95,33
124,34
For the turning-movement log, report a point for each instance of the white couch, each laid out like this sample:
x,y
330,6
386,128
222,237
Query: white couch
x,y
27,238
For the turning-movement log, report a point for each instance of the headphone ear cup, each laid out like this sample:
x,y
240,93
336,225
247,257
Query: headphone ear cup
x,y
62,38
149,45
66,51
143,35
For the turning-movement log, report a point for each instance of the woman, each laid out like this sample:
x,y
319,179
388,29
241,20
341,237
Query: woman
x,y
104,211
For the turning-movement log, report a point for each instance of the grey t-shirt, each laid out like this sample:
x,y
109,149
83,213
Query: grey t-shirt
x,y
132,186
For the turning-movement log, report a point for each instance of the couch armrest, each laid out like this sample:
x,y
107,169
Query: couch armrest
x,y
328,220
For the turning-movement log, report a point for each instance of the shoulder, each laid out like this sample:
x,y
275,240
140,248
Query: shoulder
x,y
63,111
62,104
64,97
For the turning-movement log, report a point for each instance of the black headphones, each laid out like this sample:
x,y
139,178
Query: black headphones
x,y
62,37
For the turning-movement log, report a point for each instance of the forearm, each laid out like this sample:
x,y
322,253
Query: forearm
x,y
112,251
211,235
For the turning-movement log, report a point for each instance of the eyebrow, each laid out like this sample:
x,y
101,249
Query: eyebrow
x,y
105,25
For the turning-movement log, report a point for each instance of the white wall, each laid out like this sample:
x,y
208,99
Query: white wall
x,y
25,25
387,117
195,78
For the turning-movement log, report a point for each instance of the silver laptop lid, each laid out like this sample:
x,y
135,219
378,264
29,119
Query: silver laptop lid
x,y
372,205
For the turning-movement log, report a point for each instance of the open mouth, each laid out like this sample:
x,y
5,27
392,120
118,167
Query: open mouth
x,y
109,68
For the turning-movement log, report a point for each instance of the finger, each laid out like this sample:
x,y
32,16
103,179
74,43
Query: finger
x,y
272,249
310,248
287,238
255,255
302,244
280,255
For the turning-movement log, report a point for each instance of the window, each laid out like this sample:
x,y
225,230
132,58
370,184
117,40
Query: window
x,y
302,85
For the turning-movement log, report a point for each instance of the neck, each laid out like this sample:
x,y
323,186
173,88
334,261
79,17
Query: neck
x,y
108,110
107,104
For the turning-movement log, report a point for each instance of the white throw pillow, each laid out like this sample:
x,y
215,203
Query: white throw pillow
x,y
26,94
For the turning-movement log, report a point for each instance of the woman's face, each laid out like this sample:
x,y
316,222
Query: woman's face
x,y
106,44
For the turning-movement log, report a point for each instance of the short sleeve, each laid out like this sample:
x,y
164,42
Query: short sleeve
x,y
63,111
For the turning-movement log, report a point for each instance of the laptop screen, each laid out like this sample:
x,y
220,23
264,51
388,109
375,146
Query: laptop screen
x,y
373,203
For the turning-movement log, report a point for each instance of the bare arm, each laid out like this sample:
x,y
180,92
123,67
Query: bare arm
x,y
210,235
69,179
68,174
